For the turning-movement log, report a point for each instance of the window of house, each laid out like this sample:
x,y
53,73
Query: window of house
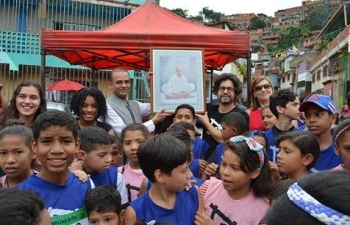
x,y
288,78
283,79
313,78
325,71
318,75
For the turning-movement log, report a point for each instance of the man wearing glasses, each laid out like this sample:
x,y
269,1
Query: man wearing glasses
x,y
227,88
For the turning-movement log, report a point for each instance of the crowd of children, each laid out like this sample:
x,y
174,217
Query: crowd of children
x,y
76,171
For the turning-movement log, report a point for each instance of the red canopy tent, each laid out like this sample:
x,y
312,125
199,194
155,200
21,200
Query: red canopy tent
x,y
128,43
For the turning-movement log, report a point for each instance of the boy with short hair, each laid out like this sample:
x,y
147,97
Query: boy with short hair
x,y
166,201
55,142
186,113
197,166
95,153
103,206
233,124
284,104
320,114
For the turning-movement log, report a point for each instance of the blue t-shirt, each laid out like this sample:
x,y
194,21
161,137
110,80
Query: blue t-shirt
x,y
200,147
108,177
219,152
271,135
65,203
183,213
328,159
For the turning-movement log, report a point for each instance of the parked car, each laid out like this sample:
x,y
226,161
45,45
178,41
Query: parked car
x,y
57,105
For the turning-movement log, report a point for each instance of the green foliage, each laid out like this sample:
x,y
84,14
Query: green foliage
x,y
319,15
242,68
181,12
210,16
322,45
256,23
291,36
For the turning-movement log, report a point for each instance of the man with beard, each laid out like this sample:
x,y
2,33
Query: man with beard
x,y
121,111
227,88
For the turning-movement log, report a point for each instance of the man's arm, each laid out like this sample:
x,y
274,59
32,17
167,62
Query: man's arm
x,y
118,124
216,134
159,117
114,120
145,108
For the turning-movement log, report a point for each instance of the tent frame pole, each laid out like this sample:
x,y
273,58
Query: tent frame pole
x,y
211,85
42,68
249,77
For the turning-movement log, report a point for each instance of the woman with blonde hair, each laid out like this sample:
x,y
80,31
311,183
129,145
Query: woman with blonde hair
x,y
261,89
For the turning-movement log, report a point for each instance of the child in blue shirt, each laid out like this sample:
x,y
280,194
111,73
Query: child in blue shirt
x,y
103,205
95,154
284,104
197,166
164,160
186,113
320,114
233,124
55,142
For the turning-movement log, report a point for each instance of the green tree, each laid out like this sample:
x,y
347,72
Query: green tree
x,y
181,12
242,68
210,16
256,22
319,15
292,36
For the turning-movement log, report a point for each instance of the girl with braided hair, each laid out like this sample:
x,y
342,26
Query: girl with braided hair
x,y
89,104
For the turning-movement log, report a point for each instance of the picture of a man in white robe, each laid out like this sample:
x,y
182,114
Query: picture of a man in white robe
x,y
178,86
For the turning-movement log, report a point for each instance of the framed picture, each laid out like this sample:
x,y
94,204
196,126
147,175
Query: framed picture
x,y
178,78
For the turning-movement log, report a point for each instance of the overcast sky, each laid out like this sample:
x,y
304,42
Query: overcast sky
x,y
229,7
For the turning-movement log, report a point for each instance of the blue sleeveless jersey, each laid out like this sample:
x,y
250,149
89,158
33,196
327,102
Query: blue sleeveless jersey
x,y
200,147
183,212
219,151
108,177
195,167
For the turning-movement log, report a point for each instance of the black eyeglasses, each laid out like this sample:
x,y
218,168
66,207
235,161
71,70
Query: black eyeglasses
x,y
260,87
229,89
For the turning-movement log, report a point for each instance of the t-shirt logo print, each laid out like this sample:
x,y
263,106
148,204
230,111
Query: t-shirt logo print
x,y
215,124
216,211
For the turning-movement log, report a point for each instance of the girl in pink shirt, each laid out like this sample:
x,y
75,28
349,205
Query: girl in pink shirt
x,y
132,136
342,144
241,196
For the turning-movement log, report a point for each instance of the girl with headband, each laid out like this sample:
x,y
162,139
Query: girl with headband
x,y
241,196
342,144
318,198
